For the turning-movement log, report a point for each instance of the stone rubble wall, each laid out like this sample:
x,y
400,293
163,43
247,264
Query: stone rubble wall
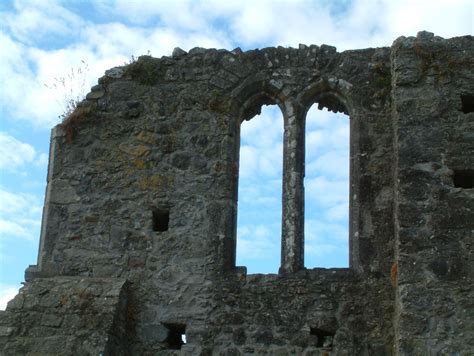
x,y
68,316
434,218
142,187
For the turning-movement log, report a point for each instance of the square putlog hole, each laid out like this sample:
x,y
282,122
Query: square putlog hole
x,y
463,178
161,219
324,337
176,335
467,101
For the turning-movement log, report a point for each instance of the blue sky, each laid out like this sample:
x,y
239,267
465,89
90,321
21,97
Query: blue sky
x,y
42,40
326,190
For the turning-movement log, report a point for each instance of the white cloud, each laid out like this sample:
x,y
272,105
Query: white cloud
x,y
319,250
271,160
248,161
324,119
35,20
7,293
11,228
327,143
261,152
101,46
263,130
13,153
38,70
258,195
326,243
446,18
334,164
323,191
42,160
184,15
282,23
161,27
19,204
314,140
256,242
318,231
20,215
338,212
365,23
257,163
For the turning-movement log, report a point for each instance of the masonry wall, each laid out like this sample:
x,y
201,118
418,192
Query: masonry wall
x,y
142,187
434,121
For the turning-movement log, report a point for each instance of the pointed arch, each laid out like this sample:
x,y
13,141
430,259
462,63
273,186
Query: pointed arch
x,y
334,95
249,98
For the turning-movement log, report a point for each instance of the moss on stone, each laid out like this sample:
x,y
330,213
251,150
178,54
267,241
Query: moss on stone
x,y
381,75
145,70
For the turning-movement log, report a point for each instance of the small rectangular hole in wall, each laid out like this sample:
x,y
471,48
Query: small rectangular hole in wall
x,y
325,338
467,101
176,335
161,218
464,178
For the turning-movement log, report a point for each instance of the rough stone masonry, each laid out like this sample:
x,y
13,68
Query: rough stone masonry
x,y
138,237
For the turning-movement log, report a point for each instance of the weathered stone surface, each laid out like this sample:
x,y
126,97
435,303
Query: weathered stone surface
x,y
177,52
115,72
95,95
67,315
434,221
146,192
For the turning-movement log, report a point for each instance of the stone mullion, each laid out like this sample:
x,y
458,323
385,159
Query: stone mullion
x,y
292,246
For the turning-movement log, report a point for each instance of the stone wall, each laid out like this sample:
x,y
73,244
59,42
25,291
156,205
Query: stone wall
x,y
66,315
142,187
432,90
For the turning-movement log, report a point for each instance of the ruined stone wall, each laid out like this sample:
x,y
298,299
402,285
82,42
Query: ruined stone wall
x,y
432,93
142,187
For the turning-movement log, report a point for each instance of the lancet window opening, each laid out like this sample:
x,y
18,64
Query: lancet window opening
x,y
293,189
327,152
260,191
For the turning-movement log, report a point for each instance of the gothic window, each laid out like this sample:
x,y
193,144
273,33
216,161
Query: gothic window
x,y
330,165
259,192
326,189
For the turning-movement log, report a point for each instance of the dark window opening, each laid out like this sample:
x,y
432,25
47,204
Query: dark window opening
x,y
464,178
176,335
467,101
324,337
161,218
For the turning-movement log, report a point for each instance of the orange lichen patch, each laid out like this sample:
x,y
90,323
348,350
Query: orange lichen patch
x,y
139,163
394,274
154,182
138,150
147,137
